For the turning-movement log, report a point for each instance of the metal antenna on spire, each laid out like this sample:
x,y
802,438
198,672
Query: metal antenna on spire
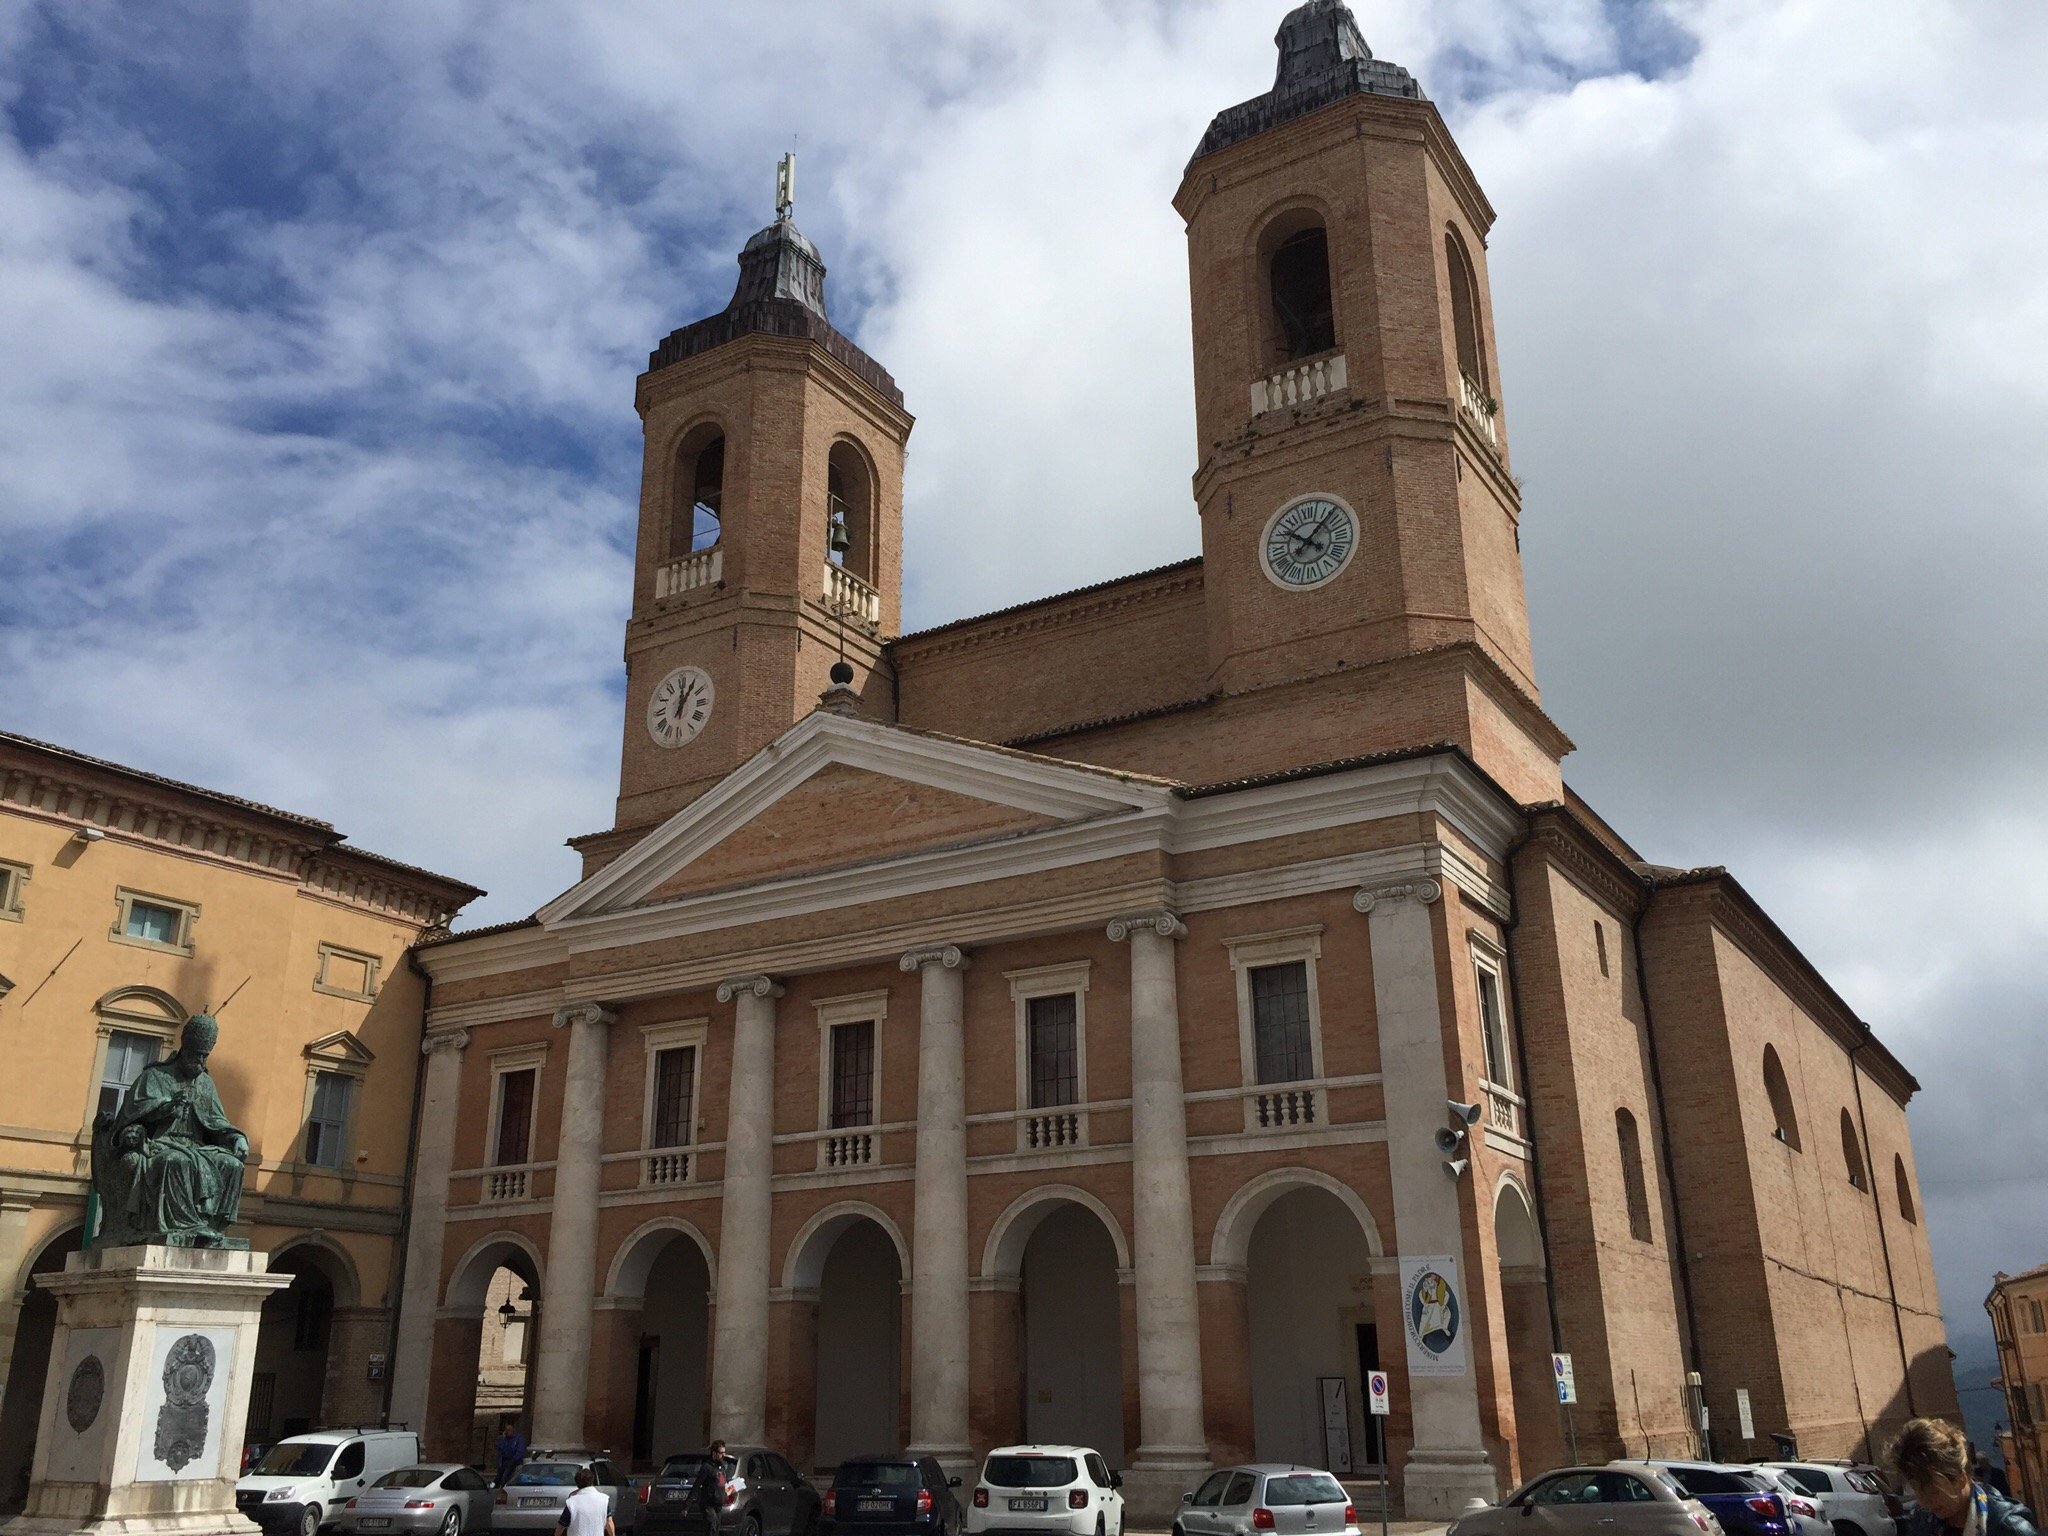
x,y
785,185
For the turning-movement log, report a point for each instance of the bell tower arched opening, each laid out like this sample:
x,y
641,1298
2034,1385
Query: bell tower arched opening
x,y
1300,315
850,510
697,522
1466,334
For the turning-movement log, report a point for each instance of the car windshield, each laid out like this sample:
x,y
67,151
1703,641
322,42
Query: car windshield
x,y
410,1477
288,1460
545,1474
683,1468
876,1474
1700,1481
1029,1471
1303,1488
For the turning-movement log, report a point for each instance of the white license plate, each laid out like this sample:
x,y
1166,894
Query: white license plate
x,y
1035,1504
373,1522
875,1506
536,1503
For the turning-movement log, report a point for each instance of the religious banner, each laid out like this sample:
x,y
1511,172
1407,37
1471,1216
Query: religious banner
x,y
1433,1316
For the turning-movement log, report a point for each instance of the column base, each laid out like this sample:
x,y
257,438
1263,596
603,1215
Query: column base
x,y
1443,1484
1154,1483
213,1524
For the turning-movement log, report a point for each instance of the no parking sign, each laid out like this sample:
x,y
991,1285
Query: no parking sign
x,y
1376,1392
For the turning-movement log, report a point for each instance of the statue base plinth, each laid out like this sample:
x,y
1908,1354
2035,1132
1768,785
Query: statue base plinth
x,y
148,1386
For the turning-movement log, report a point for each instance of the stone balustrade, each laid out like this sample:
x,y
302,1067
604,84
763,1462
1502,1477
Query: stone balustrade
x,y
686,573
1299,384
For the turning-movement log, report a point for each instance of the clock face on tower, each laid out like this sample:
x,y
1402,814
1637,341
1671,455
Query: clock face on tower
x,y
680,706
1307,542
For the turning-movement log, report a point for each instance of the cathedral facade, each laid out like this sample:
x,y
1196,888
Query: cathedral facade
x,y
1139,1016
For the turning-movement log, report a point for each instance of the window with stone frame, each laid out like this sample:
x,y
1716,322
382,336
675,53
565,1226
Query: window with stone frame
x,y
853,1075
13,877
1052,1024
514,1137
327,1125
675,1081
1493,1024
1283,1047
154,922
128,1052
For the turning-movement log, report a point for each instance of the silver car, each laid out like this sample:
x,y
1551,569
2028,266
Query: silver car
x,y
1624,1498
531,1499
1288,1500
436,1498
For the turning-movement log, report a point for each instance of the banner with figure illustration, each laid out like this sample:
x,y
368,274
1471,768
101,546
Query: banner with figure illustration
x,y
1433,1316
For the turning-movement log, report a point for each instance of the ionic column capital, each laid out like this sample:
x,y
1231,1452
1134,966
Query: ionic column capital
x,y
593,1015
444,1040
951,956
1424,891
753,986
1158,919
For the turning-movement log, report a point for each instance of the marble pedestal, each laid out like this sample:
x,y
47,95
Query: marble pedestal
x,y
150,1368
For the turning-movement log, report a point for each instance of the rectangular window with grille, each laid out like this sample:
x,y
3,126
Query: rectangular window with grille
x,y
675,1072
1280,1022
515,1116
853,1074
334,1094
127,1054
1054,1050
1493,1028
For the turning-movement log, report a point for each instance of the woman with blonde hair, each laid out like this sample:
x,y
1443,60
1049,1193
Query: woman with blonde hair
x,y
1932,1457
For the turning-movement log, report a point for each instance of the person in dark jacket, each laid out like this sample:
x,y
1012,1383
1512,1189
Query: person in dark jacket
x,y
1932,1458
1984,1472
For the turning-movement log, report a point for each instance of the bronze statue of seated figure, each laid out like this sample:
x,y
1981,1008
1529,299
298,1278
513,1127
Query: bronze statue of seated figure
x,y
167,1165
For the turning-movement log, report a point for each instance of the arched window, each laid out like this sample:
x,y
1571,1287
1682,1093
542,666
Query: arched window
x,y
1465,311
1852,1153
1294,254
1633,1184
850,502
700,492
1905,1190
1785,1120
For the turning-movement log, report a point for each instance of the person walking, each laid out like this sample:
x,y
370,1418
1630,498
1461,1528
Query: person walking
x,y
587,1511
511,1450
708,1493
1932,1458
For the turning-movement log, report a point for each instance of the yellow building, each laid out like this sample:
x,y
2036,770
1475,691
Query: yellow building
x,y
2018,1305
129,901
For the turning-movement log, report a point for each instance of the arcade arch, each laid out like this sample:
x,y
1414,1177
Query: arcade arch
x,y
1525,1309
35,1322
658,1295
289,1392
847,1267
490,1316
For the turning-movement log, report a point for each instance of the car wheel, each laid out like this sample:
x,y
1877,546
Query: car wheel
x,y
452,1525
1101,1526
309,1520
752,1526
811,1522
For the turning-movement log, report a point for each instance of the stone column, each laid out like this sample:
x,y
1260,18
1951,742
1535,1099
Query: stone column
x,y
938,1245
1448,1464
432,1160
739,1351
569,1286
1171,1442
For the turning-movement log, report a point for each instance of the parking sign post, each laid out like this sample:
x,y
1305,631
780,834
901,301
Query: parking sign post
x,y
1567,1394
1376,1394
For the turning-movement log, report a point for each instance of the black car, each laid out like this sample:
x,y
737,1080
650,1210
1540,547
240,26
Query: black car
x,y
764,1497
893,1496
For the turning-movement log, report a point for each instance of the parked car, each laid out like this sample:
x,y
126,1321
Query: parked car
x,y
440,1498
1802,1511
1623,1498
1854,1499
1738,1497
531,1498
1285,1499
300,1482
764,1496
892,1496
1046,1488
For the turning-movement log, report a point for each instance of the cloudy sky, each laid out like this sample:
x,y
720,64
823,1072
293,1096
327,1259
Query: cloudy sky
x,y
318,458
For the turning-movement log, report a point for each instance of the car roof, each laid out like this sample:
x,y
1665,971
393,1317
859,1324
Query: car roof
x,y
1044,1450
432,1466
1273,1468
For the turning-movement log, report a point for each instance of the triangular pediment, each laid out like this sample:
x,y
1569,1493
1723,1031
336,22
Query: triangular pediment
x,y
834,791
340,1049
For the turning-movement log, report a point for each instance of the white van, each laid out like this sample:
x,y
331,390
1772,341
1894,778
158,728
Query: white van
x,y
300,1483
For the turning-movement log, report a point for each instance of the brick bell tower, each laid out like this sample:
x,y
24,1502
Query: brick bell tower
x,y
771,517
1359,520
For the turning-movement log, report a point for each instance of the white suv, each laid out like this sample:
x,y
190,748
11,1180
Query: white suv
x,y
1852,1499
1046,1490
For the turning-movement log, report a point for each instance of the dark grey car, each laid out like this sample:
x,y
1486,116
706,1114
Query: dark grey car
x,y
765,1496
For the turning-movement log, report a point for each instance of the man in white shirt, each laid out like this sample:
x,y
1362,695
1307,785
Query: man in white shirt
x,y
587,1511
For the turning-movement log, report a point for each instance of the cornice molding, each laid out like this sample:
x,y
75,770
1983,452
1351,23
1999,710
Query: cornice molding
x,y
1557,837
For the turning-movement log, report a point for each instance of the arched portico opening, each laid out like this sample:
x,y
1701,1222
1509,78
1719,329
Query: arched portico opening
x,y
1525,1308
483,1341
22,1405
650,1349
1305,1243
290,1390
846,1271
1058,1251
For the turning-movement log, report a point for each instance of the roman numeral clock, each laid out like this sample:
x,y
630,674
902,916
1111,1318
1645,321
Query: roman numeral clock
x,y
1308,542
679,706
